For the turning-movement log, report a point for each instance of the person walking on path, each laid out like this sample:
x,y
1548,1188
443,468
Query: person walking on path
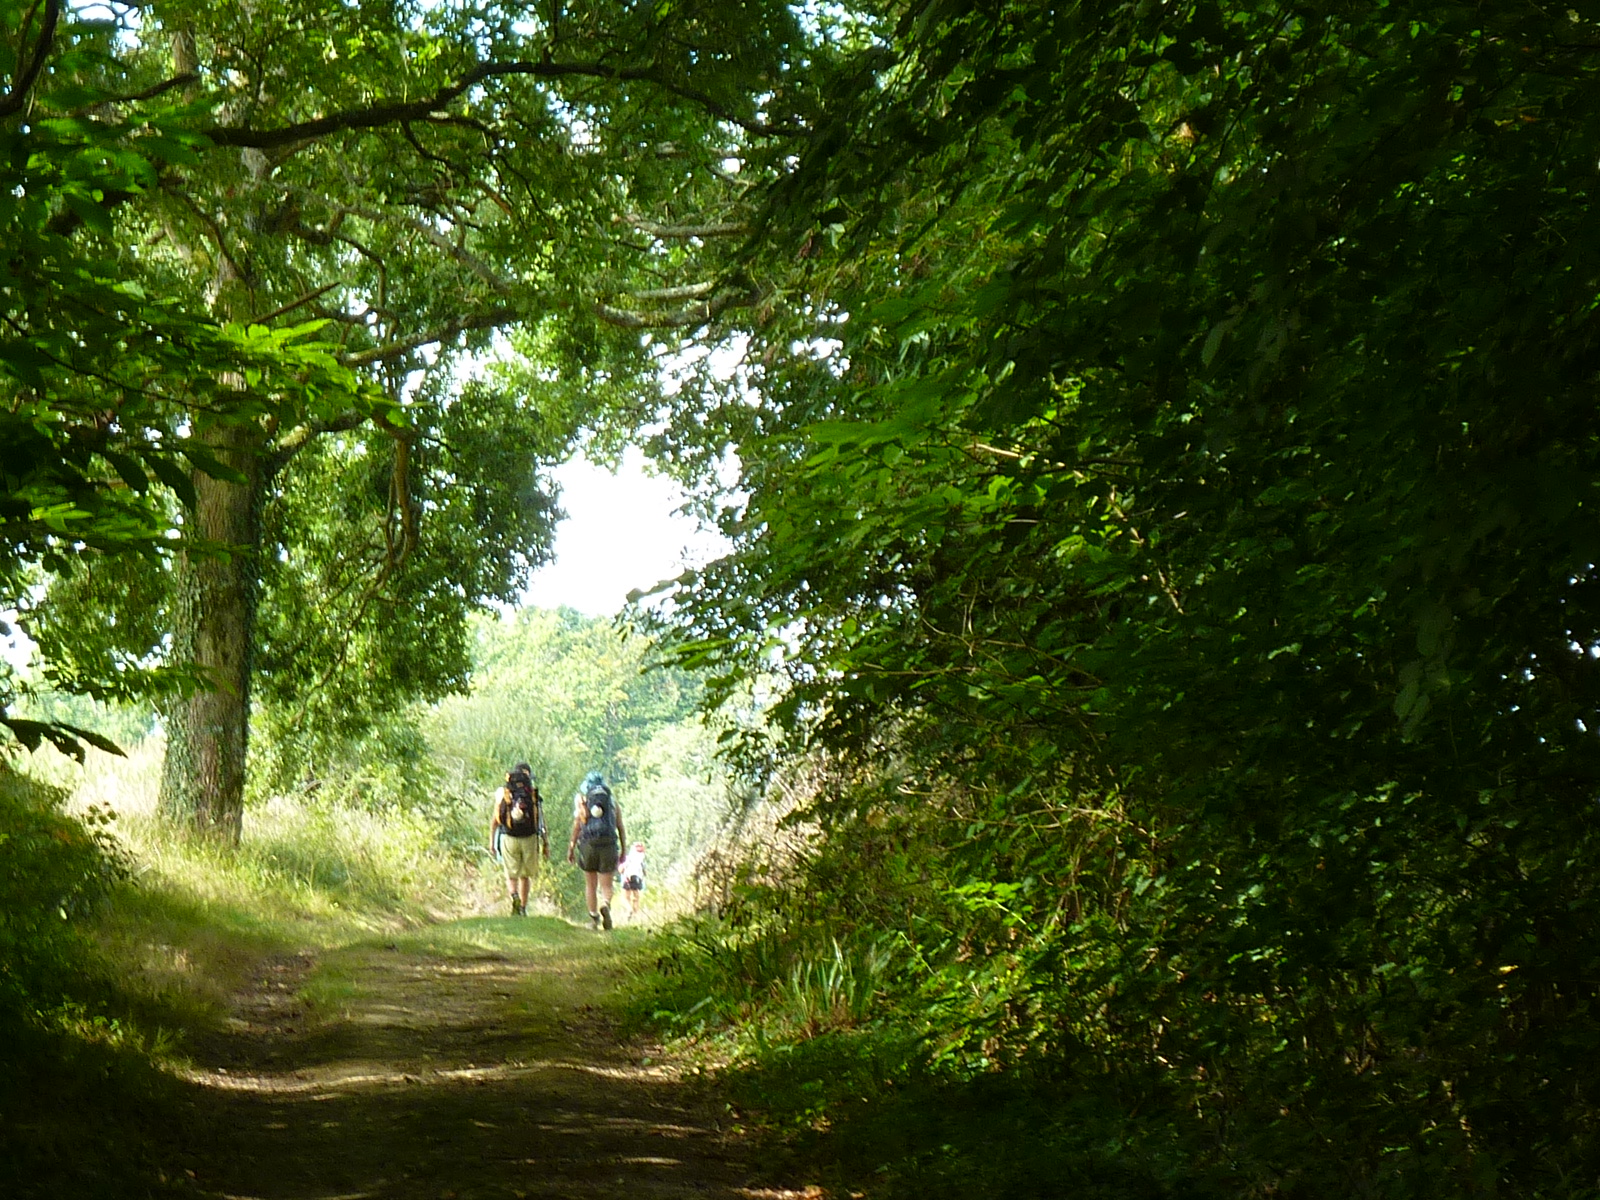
x,y
517,833
632,872
596,838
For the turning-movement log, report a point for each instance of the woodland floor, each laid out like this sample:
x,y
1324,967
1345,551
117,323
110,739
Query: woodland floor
x,y
438,1067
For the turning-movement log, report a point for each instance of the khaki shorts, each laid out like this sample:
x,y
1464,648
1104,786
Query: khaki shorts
x,y
599,857
521,856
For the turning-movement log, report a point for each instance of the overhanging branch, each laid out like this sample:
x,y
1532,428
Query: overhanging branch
x,y
150,93
377,116
17,95
296,440
687,291
478,321
455,250
689,316
709,229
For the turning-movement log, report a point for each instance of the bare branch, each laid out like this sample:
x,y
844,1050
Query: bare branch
x,y
743,184
460,253
687,291
485,320
688,317
12,102
428,155
378,116
683,232
218,238
150,93
298,438
294,304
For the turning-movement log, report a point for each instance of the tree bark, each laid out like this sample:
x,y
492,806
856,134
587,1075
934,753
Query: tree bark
x,y
202,777
216,583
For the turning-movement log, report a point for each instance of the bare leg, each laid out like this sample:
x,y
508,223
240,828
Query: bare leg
x,y
591,882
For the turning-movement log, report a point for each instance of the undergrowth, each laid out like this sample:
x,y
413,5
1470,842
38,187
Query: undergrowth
x,y
75,1058
916,1033
119,939
919,1032
841,1040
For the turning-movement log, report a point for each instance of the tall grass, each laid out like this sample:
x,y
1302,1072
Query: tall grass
x,y
193,918
300,859
754,987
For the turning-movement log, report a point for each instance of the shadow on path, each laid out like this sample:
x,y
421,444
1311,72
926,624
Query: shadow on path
x,y
465,1063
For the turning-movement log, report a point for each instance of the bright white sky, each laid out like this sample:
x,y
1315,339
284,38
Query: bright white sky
x,y
623,532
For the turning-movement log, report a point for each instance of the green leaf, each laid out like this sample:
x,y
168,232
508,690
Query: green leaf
x,y
175,151
98,741
89,212
208,463
25,362
128,468
173,476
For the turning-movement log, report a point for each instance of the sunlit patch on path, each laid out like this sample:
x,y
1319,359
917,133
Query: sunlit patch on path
x,y
443,1070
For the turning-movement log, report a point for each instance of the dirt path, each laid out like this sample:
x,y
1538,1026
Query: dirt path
x,y
464,1063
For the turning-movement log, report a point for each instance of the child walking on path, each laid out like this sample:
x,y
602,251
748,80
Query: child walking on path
x,y
632,872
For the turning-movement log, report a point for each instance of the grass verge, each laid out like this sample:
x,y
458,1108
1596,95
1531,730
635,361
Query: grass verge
x,y
124,942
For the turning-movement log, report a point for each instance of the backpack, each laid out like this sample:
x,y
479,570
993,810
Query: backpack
x,y
601,827
633,868
519,807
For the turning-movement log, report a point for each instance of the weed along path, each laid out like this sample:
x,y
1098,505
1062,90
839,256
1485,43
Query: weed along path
x,y
472,1060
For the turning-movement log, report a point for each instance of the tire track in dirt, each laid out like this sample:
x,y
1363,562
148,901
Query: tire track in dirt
x,y
472,1074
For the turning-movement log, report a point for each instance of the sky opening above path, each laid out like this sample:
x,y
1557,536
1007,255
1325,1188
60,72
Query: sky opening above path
x,y
623,532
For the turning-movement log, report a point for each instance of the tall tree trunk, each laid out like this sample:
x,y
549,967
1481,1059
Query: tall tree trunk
x,y
202,778
214,597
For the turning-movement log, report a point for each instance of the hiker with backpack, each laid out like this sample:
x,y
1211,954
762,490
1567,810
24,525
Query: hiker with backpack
x,y
517,834
596,838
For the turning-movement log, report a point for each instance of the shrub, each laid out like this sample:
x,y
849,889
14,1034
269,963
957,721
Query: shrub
x,y
53,869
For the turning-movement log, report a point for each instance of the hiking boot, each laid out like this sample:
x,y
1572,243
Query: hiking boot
x,y
594,921
516,906
605,916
